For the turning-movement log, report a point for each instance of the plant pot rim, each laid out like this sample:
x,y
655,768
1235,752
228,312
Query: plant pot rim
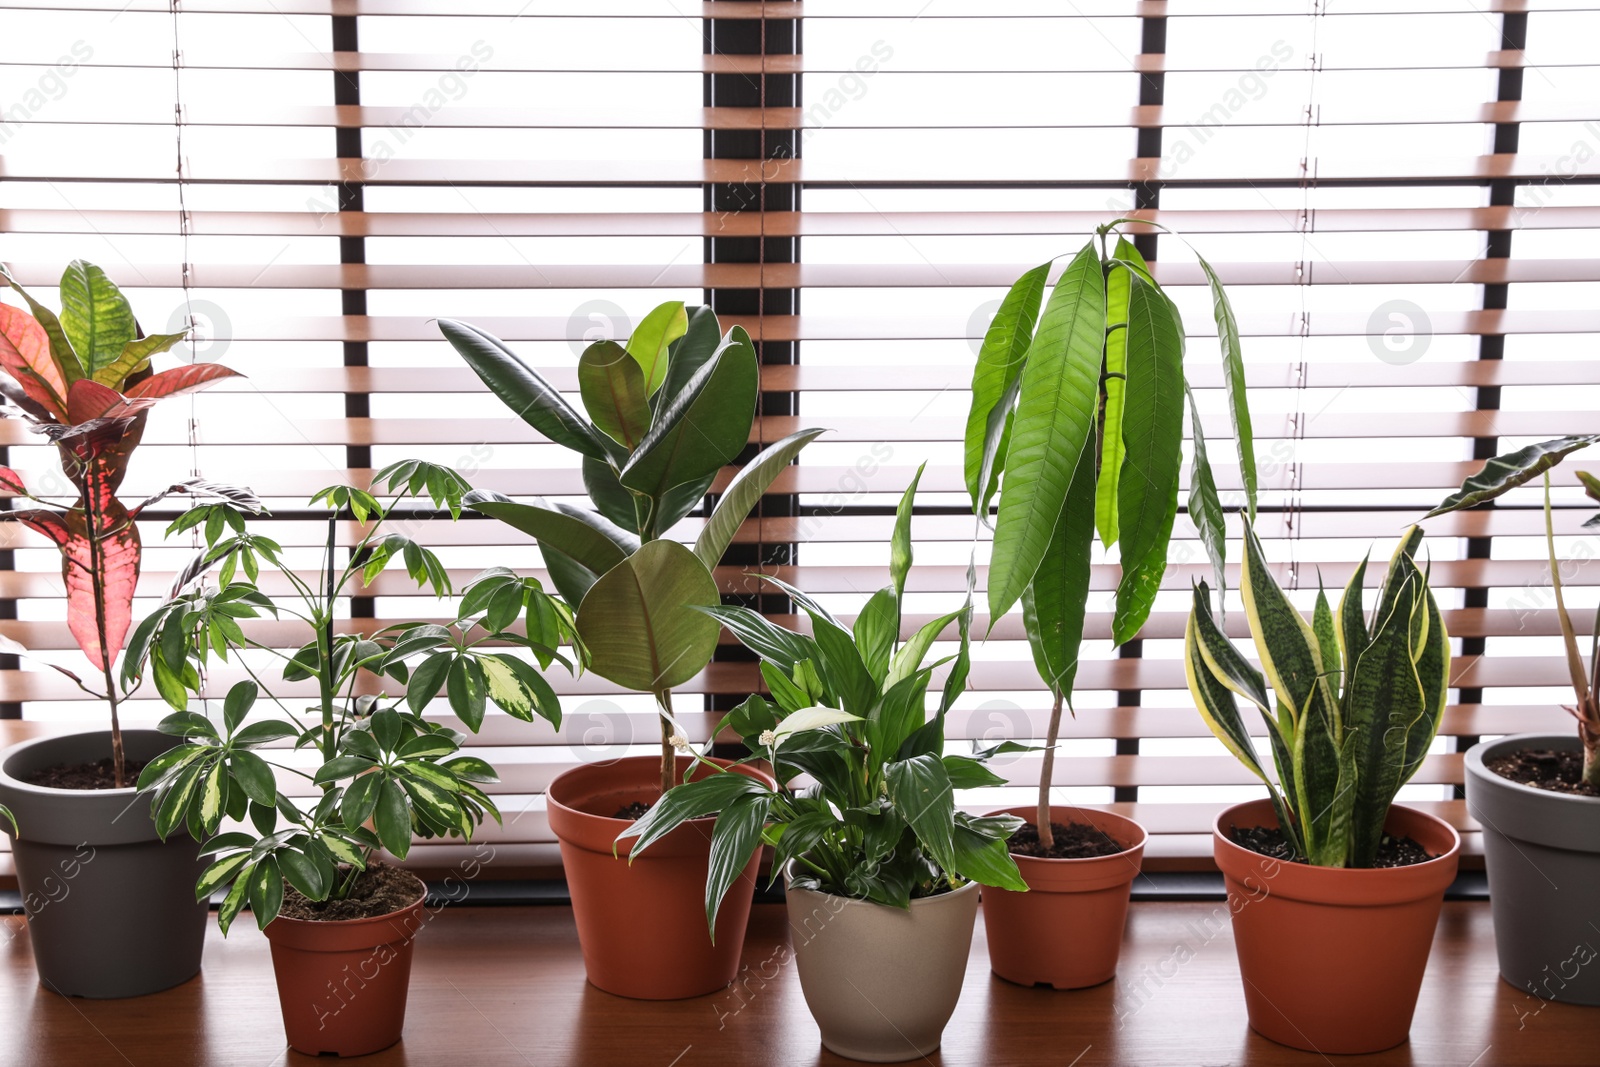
x,y
21,747
1474,763
1349,877
292,923
788,873
1098,813
583,769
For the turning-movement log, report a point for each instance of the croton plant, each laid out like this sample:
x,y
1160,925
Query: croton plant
x,y
83,379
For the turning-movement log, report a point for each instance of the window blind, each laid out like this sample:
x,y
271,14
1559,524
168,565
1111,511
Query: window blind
x,y
1401,199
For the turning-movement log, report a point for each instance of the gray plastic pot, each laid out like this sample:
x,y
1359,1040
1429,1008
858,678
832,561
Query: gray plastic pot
x,y
111,908
1542,851
882,982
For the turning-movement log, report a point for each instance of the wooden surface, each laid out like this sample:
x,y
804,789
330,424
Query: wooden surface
x,y
505,986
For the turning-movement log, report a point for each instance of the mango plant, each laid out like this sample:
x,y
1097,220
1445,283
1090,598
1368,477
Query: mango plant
x,y
1502,474
83,381
1354,702
849,709
385,771
1077,422
665,413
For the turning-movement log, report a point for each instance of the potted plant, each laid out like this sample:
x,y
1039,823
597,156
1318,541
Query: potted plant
x,y
665,413
341,922
882,869
83,381
1329,856
1080,409
1538,795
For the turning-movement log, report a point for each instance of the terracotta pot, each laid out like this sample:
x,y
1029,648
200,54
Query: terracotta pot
x,y
1542,851
1362,936
1066,931
111,908
882,982
342,985
642,925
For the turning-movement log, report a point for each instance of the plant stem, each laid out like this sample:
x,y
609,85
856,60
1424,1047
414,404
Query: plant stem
x,y
669,763
97,581
1047,837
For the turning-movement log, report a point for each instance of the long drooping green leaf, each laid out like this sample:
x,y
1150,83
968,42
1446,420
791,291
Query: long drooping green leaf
x,y
1152,430
583,541
986,860
734,839
919,787
521,388
1054,603
702,428
1503,473
651,340
613,390
639,623
1233,378
95,316
1205,506
742,494
762,636
692,800
1055,416
995,381
1112,448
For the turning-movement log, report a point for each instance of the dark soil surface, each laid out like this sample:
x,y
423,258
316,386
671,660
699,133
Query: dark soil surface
x,y
379,890
97,775
633,812
1555,771
1269,841
1073,841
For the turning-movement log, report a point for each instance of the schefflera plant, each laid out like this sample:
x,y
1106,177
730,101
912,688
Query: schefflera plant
x,y
83,380
665,413
1077,421
384,771
848,708
1499,476
1354,703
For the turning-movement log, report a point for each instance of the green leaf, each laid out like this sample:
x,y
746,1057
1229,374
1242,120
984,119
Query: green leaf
x,y
650,342
261,733
254,776
1285,642
690,352
1152,430
968,773
613,391
219,874
995,381
341,767
691,800
1323,626
392,819
986,860
175,805
908,660
240,699
744,492
760,635
211,797
578,535
1212,697
266,892
843,669
876,629
639,622
1054,603
701,428
506,689
1222,658
545,702
1055,415
1205,506
302,873
95,316
607,494
1352,632
134,357
1112,449
1504,473
427,680
572,579
467,690
1233,378
734,839
900,554
359,800
169,763
533,400
920,790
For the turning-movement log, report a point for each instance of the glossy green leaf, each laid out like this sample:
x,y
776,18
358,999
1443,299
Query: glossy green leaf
x,y
1054,603
134,357
985,860
639,622
466,689
608,496
900,554
919,787
613,391
392,819
1233,378
521,388
876,629
1504,473
1285,642
734,839
700,341
300,872
427,680
701,428
254,776
744,492
691,800
908,659
1205,506
1056,410
762,636
1112,449
650,341
996,379
266,892
95,316
1212,696
583,540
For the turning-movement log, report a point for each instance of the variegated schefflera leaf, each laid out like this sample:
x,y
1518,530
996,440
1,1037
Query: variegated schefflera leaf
x,y
1354,703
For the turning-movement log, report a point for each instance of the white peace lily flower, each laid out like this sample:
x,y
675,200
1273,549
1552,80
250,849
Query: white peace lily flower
x,y
767,738
679,742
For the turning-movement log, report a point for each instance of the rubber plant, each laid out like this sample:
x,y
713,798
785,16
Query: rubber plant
x,y
1354,702
385,771
665,412
83,380
1077,422
1502,474
849,709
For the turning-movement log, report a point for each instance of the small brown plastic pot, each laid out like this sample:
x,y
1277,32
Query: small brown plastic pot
x,y
1332,958
1066,930
642,925
342,985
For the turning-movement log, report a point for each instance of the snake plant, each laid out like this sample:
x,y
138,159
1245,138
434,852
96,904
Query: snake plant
x,y
1354,703
1501,474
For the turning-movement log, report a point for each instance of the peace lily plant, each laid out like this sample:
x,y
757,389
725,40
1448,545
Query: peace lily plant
x,y
665,413
1077,422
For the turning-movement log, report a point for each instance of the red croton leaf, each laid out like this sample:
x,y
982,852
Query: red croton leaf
x,y
25,354
11,481
182,380
88,399
114,567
